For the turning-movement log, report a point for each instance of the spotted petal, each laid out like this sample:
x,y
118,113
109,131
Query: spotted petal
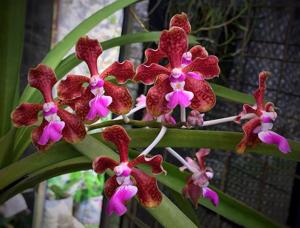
x,y
154,162
181,20
208,67
204,97
110,186
192,192
148,192
271,137
117,202
71,87
42,78
26,114
121,98
198,51
156,102
74,129
174,43
121,71
89,50
36,134
118,136
153,56
259,94
148,74
101,163
249,138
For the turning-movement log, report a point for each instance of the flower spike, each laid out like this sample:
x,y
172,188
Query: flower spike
x,y
182,81
127,180
100,96
57,123
258,129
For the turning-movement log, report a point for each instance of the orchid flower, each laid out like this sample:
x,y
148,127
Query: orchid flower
x,y
127,180
258,129
164,118
100,96
182,81
195,118
57,123
197,183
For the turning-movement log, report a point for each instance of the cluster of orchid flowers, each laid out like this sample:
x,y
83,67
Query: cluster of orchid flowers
x,y
181,82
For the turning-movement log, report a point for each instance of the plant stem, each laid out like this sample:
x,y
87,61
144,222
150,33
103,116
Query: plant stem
x,y
161,134
226,119
179,158
183,114
134,110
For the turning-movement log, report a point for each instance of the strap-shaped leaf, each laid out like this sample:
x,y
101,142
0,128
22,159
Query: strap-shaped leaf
x,y
12,17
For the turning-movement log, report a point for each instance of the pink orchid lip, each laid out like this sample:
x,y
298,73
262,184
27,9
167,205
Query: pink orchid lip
x,y
211,195
117,202
268,117
98,106
179,97
270,137
52,132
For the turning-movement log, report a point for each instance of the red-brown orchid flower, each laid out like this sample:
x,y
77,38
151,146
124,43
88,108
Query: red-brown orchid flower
x,y
127,180
100,95
57,123
182,81
258,129
197,183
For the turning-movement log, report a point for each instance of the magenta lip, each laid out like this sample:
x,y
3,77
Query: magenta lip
x,y
267,119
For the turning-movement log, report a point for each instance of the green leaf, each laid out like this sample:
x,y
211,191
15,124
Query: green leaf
x,y
229,207
6,149
52,170
185,206
12,17
54,57
18,170
169,215
224,140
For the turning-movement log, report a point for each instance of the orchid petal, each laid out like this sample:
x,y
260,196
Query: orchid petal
x,y
153,56
121,71
198,51
26,114
181,20
89,50
148,192
148,74
102,163
155,162
42,78
211,195
110,186
119,198
207,67
249,138
174,43
74,129
71,87
118,136
121,98
156,102
192,192
204,98
270,137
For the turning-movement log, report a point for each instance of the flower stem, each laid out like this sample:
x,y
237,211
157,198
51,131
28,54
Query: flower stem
x,y
179,158
182,114
161,134
226,119
132,111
